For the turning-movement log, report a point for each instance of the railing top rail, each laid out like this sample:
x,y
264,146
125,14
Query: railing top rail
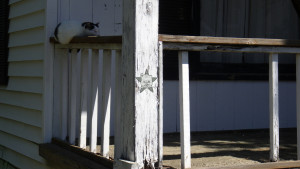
x,y
93,39
229,41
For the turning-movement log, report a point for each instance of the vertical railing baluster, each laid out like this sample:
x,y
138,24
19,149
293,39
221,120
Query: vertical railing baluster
x,y
298,102
64,94
75,93
184,101
95,97
106,96
274,107
84,99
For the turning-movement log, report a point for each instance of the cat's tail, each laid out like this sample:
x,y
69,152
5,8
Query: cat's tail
x,y
56,32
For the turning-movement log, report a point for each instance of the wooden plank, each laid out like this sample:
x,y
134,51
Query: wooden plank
x,y
274,107
161,110
277,165
139,78
75,93
93,39
298,103
229,41
84,99
96,86
64,93
61,158
221,48
112,46
106,103
184,102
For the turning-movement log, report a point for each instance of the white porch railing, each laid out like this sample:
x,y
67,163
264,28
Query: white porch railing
x,y
83,85
273,47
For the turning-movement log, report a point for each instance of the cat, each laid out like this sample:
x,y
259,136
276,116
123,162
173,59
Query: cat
x,y
66,30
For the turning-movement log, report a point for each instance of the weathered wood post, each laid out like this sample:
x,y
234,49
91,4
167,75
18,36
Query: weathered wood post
x,y
274,107
137,124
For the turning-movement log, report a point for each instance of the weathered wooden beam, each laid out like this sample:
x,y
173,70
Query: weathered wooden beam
x,y
298,102
274,107
138,127
184,102
229,40
160,117
229,48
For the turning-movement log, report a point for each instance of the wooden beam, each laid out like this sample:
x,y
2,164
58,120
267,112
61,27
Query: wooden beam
x,y
298,102
274,107
229,48
138,127
93,39
229,41
184,102
160,117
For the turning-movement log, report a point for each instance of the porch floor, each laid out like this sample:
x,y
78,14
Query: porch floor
x,y
228,148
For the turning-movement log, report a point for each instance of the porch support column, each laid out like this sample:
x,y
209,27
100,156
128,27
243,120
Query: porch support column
x,y
274,107
137,145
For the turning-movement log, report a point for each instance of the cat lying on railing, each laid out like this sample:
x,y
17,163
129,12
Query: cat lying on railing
x,y
67,30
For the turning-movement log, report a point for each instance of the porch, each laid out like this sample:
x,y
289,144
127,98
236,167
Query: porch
x,y
88,76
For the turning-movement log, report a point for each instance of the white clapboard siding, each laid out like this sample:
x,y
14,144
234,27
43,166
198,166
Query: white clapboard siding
x,y
26,53
26,37
22,161
26,116
21,99
20,145
274,107
29,21
28,68
22,130
22,84
184,102
25,7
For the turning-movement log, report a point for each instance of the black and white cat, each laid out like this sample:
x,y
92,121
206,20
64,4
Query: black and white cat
x,y
67,30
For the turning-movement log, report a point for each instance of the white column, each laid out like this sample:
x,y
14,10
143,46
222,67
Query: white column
x,y
184,102
274,107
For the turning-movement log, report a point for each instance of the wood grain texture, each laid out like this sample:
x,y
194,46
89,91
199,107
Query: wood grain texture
x,y
274,107
139,124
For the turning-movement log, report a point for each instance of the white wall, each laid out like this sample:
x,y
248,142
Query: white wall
x,y
229,105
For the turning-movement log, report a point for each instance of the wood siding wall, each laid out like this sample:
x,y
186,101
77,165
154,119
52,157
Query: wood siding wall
x,y
21,101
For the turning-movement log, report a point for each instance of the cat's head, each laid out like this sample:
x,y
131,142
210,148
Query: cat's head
x,y
91,28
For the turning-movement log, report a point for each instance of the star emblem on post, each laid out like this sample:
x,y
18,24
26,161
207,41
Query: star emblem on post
x,y
146,81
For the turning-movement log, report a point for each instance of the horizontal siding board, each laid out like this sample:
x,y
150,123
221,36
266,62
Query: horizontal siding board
x,y
14,1
25,53
26,69
22,99
26,7
22,130
36,19
26,37
20,145
20,160
25,84
27,116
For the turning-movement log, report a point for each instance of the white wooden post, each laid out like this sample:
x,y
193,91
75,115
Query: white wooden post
x,y
184,102
298,103
106,101
96,86
274,107
138,126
